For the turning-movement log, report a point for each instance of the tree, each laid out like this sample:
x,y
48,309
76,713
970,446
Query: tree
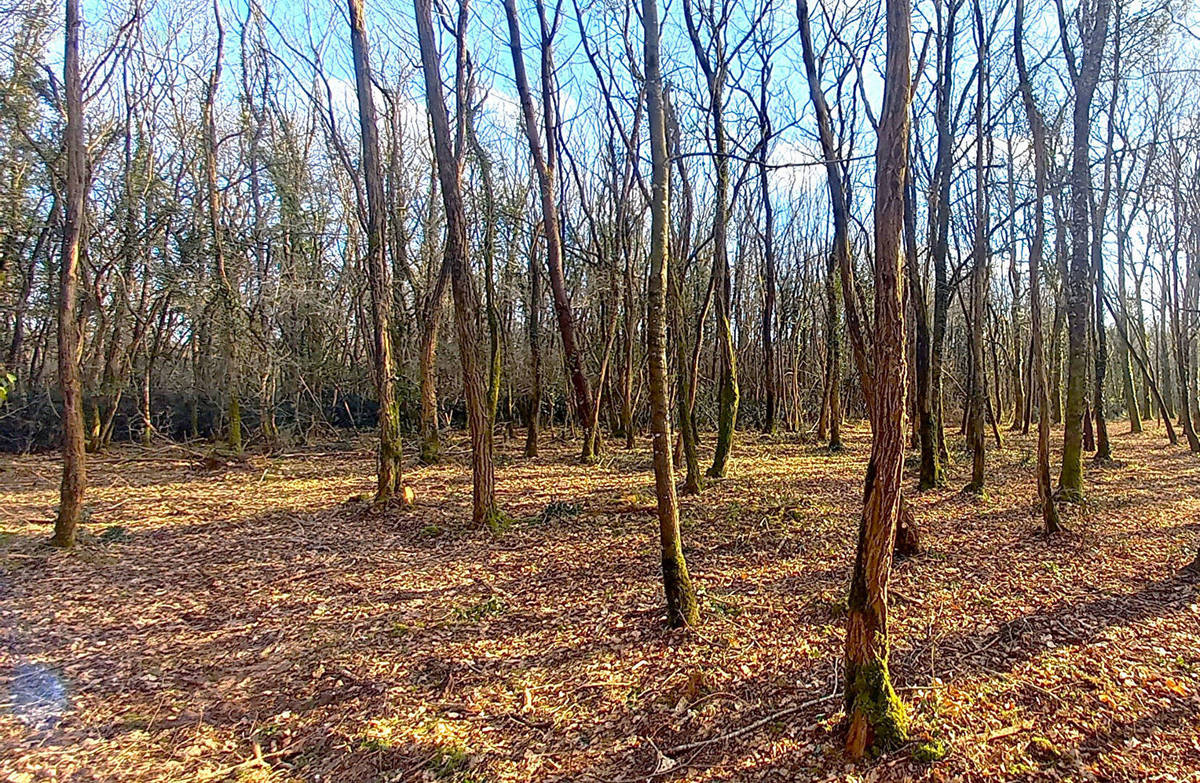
x,y
1085,74
682,608
1037,126
978,399
74,477
391,457
545,162
448,158
714,57
877,718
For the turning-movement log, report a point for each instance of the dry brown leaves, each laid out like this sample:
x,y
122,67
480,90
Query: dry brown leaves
x,y
254,623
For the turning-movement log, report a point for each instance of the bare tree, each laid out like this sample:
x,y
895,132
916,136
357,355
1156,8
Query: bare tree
x,y
1084,72
545,161
391,457
448,157
682,608
1037,127
74,477
877,717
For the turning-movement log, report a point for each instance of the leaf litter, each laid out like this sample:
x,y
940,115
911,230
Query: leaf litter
x,y
254,622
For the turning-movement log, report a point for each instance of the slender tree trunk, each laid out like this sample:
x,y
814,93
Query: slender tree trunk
x,y
1084,76
226,292
466,299
979,276
534,415
74,476
682,607
932,475
714,64
832,408
877,718
926,437
545,161
1132,406
391,457
1050,520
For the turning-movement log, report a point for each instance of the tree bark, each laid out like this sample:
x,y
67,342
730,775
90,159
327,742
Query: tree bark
x,y
978,403
466,299
1084,76
74,476
545,162
682,607
877,718
391,457
1050,519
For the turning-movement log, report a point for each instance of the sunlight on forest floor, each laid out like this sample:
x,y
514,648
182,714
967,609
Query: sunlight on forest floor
x,y
257,623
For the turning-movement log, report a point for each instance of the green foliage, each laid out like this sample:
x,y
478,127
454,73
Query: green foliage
x,y
448,760
930,751
488,607
559,510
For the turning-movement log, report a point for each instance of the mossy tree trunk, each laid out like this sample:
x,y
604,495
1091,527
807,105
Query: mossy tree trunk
x,y
877,718
1084,73
682,607
714,63
390,469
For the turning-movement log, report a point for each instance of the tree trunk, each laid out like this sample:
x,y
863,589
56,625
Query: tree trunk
x,y
533,417
682,607
979,276
74,477
391,457
877,718
466,300
1050,520
1084,77
545,163
932,474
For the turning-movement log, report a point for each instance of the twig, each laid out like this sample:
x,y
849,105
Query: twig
x,y
747,729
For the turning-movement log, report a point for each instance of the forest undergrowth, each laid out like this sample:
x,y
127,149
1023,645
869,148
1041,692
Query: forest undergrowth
x,y
258,621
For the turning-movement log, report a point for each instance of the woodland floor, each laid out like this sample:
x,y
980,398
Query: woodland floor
x,y
255,623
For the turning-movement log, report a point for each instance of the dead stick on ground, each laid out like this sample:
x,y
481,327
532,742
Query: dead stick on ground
x,y
747,729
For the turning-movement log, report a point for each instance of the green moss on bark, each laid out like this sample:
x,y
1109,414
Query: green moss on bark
x,y
871,694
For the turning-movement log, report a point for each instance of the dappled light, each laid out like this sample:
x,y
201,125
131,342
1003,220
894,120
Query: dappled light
x,y
261,617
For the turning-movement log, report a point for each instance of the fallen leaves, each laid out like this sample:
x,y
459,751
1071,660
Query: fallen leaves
x,y
250,622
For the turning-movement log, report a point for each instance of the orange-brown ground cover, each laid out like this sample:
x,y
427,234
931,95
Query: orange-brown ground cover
x,y
253,623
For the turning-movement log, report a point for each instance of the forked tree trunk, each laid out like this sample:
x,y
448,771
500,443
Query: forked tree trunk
x,y
74,477
391,468
682,608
